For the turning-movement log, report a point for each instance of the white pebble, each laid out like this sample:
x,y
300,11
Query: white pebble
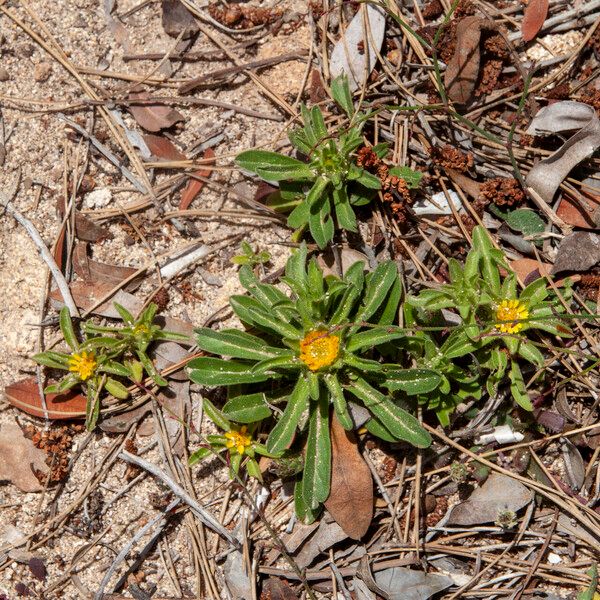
x,y
98,198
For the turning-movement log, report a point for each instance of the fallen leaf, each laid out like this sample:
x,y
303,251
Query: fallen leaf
x,y
356,53
468,185
498,493
573,529
546,176
93,272
25,396
327,534
18,456
400,583
162,148
37,568
153,117
578,251
533,19
462,70
123,421
350,500
550,420
278,589
574,466
177,19
529,269
582,212
85,229
194,186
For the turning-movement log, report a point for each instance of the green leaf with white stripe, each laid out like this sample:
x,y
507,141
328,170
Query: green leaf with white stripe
x,y
273,166
412,381
215,372
371,338
66,328
339,401
266,319
317,461
282,434
248,408
400,423
235,343
378,286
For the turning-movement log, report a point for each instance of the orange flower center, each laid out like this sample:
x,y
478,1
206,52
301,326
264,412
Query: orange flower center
x,y
318,349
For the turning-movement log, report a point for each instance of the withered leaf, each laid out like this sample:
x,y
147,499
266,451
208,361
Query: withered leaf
x,y
37,568
401,583
327,534
574,466
533,19
93,272
18,456
177,19
278,589
350,501
546,176
85,229
581,212
498,493
529,269
578,251
153,117
462,70
25,396
163,148
194,186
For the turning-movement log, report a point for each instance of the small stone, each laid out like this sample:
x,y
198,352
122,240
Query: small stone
x,y
42,71
4,75
98,198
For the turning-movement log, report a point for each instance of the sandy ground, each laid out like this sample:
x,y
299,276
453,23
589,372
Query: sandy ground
x,y
34,88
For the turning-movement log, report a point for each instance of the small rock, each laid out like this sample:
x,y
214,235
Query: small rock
x,y
4,75
98,198
42,71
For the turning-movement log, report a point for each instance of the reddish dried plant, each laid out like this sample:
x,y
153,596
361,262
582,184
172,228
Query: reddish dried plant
x,y
502,192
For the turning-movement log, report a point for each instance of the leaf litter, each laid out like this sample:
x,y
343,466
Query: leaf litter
x,y
478,157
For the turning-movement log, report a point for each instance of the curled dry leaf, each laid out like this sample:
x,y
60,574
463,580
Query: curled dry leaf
x,y
529,269
498,493
327,534
578,252
350,501
18,456
581,212
177,19
94,272
194,186
153,117
163,148
533,19
546,176
463,68
25,396
574,465
355,53
401,583
278,589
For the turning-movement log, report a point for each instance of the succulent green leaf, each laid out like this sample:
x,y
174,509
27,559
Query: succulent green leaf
x,y
343,211
412,381
273,166
530,353
320,222
518,388
116,388
340,92
282,434
66,383
53,360
399,422
267,319
66,328
151,369
215,415
215,372
115,368
372,338
378,286
248,408
199,455
295,269
235,343
339,401
316,479
125,315
304,513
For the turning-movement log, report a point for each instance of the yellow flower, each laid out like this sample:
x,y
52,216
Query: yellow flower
x,y
318,349
83,364
141,329
507,315
239,440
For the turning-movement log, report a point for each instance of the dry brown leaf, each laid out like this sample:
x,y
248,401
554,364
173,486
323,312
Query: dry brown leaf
x,y
194,186
463,68
25,395
533,19
278,589
350,501
581,212
529,269
577,252
18,456
177,19
94,272
153,117
162,148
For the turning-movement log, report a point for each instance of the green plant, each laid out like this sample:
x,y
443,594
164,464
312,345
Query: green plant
x,y
104,352
314,350
320,193
237,441
494,330
247,256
